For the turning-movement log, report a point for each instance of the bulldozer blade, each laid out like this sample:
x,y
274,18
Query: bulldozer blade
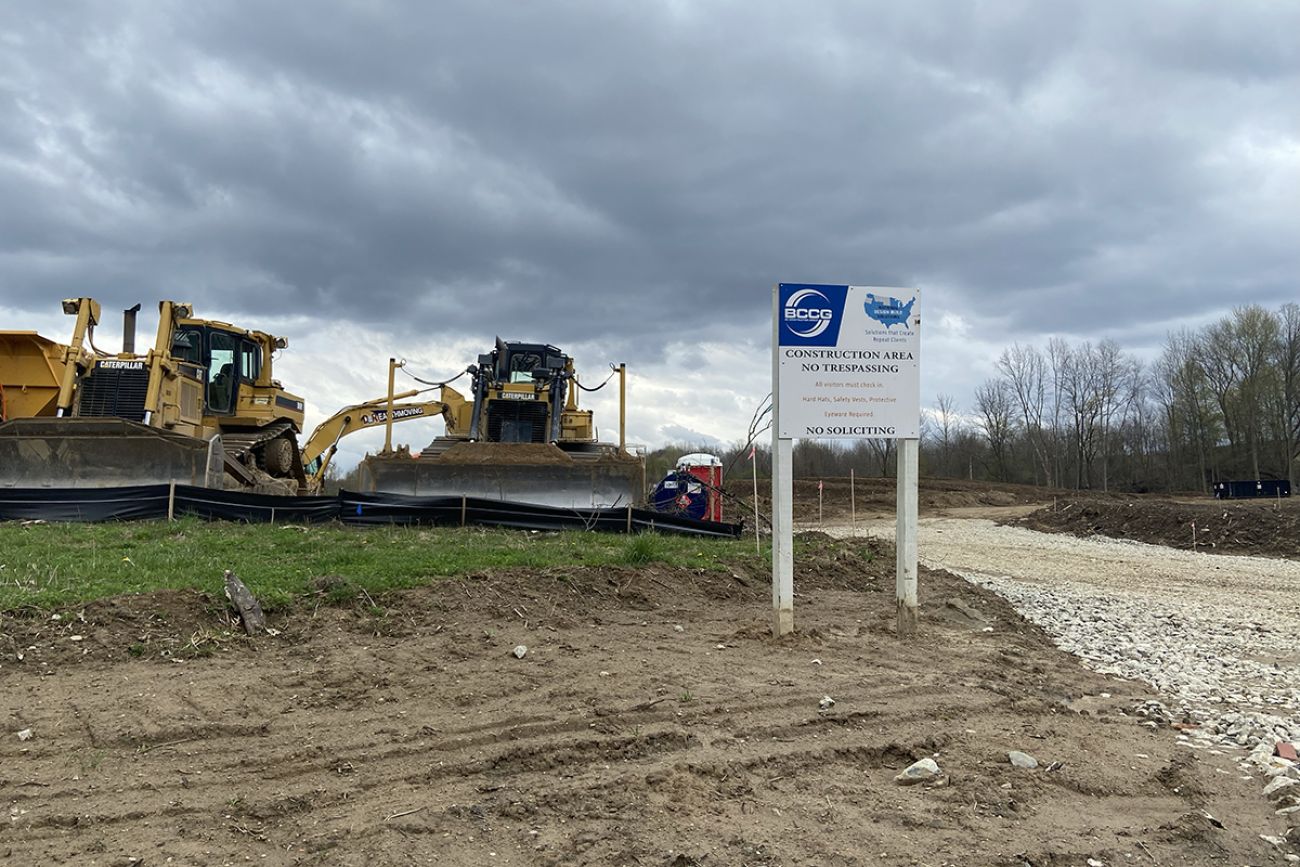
x,y
488,471
103,453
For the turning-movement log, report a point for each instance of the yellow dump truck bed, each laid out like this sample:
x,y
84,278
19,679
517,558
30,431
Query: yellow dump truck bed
x,y
31,368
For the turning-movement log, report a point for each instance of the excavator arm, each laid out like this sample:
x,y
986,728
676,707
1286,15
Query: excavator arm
x,y
323,443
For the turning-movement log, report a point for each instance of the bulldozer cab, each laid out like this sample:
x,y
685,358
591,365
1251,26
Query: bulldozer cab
x,y
223,359
519,391
528,362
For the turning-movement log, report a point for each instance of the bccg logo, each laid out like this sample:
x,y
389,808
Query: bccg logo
x,y
810,314
802,315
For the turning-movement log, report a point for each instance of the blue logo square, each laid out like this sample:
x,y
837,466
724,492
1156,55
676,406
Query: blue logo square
x,y
810,314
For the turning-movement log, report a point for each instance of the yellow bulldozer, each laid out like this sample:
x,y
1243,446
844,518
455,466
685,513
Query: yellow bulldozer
x,y
521,436
200,408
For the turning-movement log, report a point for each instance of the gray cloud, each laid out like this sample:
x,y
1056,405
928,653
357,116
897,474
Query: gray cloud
x,y
622,176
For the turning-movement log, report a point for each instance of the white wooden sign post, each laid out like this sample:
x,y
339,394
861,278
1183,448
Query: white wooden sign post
x,y
846,364
905,536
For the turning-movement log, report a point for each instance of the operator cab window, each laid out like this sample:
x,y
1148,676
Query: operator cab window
x,y
522,365
250,361
187,346
222,372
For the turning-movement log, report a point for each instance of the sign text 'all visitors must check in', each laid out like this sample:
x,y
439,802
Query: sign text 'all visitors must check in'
x,y
849,362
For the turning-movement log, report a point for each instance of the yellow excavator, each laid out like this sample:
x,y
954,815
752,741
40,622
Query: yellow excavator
x,y
200,408
319,449
521,436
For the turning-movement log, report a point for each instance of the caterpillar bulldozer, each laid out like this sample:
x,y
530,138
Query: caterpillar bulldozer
x,y
520,436
200,408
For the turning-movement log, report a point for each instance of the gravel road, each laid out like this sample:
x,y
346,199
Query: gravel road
x,y
1218,634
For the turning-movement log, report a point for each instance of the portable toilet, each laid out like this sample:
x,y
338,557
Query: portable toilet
x,y
708,469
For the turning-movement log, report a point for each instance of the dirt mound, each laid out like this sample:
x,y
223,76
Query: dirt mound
x,y
503,453
1255,528
652,720
523,454
838,496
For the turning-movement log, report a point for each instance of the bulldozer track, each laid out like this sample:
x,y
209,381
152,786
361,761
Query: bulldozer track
x,y
239,446
240,443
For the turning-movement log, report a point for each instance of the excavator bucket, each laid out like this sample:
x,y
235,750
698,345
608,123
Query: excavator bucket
x,y
537,473
31,368
103,453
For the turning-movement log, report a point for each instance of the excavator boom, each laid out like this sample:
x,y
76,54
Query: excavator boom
x,y
321,446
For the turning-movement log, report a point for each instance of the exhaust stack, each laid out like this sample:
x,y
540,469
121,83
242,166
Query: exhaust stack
x,y
128,329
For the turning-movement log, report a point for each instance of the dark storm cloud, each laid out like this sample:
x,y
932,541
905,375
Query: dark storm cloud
x,y
579,171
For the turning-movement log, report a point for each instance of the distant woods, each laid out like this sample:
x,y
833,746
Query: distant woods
x,y
1221,402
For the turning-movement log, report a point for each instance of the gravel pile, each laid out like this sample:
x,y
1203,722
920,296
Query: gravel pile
x,y
1226,694
1219,635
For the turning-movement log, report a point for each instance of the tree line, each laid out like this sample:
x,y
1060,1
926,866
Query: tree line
x,y
1219,403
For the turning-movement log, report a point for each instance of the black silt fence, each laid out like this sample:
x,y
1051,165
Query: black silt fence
x,y
144,502
1252,488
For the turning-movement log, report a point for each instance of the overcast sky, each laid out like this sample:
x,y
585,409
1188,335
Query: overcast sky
x,y
628,180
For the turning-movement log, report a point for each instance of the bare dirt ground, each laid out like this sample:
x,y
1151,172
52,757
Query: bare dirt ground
x,y
841,498
653,721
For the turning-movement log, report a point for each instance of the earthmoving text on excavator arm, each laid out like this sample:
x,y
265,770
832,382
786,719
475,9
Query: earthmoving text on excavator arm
x,y
320,447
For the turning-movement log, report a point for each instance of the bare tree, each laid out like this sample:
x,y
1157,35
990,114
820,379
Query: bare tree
x,y
1257,333
1118,380
884,452
1075,372
1187,394
945,418
1287,363
1026,376
994,404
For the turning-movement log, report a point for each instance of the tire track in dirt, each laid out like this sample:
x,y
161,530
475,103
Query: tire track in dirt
x,y
510,747
618,740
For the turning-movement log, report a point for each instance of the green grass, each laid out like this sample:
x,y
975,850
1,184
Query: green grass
x,y
57,565
644,548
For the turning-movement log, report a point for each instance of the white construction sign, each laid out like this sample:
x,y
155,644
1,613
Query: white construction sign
x,y
846,363
849,362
